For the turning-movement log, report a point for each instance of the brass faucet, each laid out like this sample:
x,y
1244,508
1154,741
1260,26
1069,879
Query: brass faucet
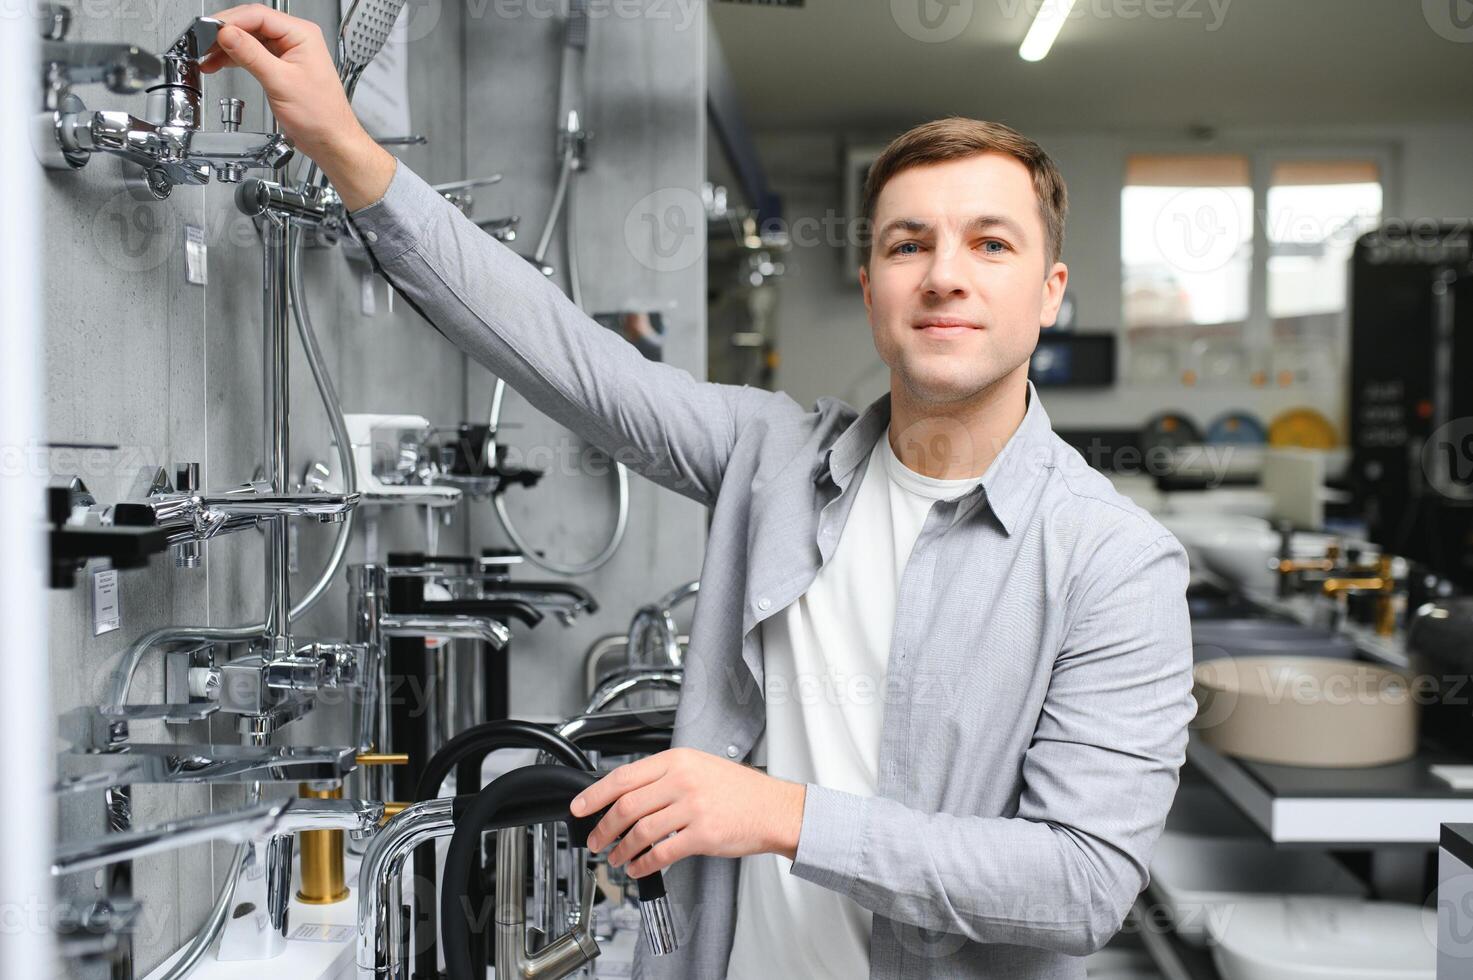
x,y
323,879
1289,567
1383,583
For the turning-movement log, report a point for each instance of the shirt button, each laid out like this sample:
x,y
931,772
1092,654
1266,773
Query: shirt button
x,y
372,237
731,752
764,604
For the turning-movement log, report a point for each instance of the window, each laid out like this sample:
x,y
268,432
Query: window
x,y
1188,235
1186,239
1316,211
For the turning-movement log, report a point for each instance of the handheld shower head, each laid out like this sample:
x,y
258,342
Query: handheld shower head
x,y
364,32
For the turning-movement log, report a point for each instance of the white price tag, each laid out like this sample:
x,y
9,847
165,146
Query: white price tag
x,y
196,268
106,615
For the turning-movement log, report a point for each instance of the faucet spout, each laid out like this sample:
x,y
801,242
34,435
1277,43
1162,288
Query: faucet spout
x,y
237,825
457,627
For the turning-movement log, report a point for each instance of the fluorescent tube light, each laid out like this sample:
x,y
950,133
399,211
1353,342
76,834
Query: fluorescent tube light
x,y
1046,24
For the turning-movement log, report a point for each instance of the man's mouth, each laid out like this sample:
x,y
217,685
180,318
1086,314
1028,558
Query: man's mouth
x,y
945,326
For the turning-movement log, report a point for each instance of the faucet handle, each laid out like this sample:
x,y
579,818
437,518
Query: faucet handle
x,y
195,41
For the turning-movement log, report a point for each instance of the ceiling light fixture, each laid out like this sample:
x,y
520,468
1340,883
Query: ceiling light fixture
x,y
1046,24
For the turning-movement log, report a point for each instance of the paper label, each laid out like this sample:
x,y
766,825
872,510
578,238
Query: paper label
x,y
196,268
322,932
106,615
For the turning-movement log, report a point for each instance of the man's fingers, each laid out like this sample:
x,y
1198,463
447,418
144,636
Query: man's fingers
x,y
662,855
648,831
244,50
616,784
633,806
214,61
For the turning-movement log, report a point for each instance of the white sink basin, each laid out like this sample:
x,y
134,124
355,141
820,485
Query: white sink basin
x,y
1246,557
1194,528
1291,938
1203,879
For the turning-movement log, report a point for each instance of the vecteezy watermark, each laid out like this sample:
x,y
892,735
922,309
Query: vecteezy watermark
x,y
1451,20
416,22
665,230
1199,229
933,21
134,235
938,21
1447,459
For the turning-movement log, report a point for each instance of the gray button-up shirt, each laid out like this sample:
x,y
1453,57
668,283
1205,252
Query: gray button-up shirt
x,y
1039,683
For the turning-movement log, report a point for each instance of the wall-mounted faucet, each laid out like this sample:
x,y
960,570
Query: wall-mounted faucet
x,y
170,144
171,764
123,68
192,515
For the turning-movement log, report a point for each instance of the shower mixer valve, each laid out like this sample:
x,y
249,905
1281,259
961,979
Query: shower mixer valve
x,y
170,144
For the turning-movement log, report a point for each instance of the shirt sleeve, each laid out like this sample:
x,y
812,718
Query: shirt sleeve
x,y
1098,780
491,303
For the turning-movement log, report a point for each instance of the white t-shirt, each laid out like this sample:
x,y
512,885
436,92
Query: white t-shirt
x,y
824,660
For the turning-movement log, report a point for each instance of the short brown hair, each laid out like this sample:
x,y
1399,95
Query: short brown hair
x,y
957,138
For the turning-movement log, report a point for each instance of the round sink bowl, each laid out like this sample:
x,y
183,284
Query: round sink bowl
x,y
1305,711
1265,637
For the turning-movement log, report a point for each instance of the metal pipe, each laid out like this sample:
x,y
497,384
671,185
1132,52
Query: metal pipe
x,y
276,433
334,407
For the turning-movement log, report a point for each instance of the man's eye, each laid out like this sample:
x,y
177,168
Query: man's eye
x,y
1001,247
905,248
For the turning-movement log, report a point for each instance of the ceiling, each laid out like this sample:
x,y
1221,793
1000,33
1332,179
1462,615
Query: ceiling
x,y
850,64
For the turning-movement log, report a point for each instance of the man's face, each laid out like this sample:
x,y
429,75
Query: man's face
x,y
959,281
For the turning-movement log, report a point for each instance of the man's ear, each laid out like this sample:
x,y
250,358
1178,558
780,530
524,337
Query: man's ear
x,y
864,285
1053,294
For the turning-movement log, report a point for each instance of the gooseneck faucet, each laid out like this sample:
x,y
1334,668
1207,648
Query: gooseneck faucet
x,y
382,944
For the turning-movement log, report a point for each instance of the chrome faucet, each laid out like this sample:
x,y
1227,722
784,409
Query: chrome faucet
x,y
260,920
191,515
265,689
170,144
284,816
167,763
123,68
238,825
657,620
627,683
381,942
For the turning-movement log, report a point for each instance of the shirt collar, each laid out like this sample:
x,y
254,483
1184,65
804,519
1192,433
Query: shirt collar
x,y
1008,484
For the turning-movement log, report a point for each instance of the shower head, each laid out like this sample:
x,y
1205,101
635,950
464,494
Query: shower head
x,y
362,36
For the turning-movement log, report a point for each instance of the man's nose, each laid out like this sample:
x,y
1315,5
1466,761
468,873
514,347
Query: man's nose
x,y
944,276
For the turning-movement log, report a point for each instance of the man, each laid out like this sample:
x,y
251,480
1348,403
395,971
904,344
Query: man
x,y
963,658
